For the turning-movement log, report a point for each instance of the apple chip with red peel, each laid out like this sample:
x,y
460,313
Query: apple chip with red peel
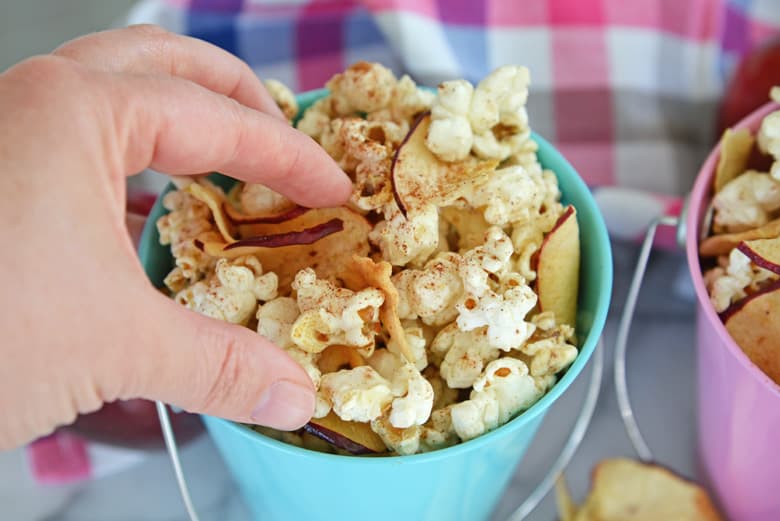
x,y
558,268
754,324
260,243
722,244
327,256
354,437
765,253
361,273
421,179
735,149
239,218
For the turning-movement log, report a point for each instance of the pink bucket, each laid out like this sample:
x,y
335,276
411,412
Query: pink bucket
x,y
738,405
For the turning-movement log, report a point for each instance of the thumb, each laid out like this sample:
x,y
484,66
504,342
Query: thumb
x,y
207,366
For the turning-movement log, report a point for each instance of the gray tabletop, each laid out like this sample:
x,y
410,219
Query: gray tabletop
x,y
661,374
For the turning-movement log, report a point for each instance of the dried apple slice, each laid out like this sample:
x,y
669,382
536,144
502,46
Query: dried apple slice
x,y
754,324
723,244
765,253
566,505
259,244
419,178
625,489
216,202
239,218
735,149
558,268
363,272
354,437
327,256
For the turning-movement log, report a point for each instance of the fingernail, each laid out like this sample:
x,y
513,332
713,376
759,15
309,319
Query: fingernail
x,y
284,405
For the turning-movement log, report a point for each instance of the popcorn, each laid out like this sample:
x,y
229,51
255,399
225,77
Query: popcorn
x,y
514,193
414,394
550,346
232,293
332,315
502,314
401,441
364,149
746,202
450,136
443,395
527,238
465,355
504,389
730,284
257,199
283,97
358,394
363,87
414,398
431,293
405,240
490,121
769,140
316,119
406,102
422,293
187,219
275,319
439,432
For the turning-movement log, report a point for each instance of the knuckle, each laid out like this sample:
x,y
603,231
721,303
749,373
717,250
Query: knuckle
x,y
223,380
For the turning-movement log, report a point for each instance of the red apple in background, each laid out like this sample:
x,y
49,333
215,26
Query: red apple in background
x,y
749,88
134,424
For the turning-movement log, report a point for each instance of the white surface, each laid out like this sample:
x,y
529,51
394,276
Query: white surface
x,y
661,379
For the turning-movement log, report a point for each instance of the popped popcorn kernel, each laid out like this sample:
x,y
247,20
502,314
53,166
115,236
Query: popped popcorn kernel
x,y
731,284
283,96
232,292
748,201
504,389
333,315
769,140
358,394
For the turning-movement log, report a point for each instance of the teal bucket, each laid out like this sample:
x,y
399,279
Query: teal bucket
x,y
282,482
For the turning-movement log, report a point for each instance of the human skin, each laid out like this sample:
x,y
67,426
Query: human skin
x,y
81,323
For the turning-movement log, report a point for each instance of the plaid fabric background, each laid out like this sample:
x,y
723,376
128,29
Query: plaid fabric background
x,y
626,89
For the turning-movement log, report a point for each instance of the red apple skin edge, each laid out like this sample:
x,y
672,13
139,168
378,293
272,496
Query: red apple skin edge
x,y
336,439
749,88
757,259
396,195
738,305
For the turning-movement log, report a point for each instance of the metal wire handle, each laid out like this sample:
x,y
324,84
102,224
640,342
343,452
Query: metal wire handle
x,y
621,387
520,513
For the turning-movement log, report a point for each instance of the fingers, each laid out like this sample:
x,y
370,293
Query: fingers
x,y
149,49
180,128
211,367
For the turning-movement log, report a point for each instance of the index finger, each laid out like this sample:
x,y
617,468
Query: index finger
x,y
150,49
180,128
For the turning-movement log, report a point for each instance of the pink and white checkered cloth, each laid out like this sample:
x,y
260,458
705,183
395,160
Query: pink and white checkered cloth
x,y
627,90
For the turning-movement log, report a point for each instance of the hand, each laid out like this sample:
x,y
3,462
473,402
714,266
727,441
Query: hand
x,y
81,324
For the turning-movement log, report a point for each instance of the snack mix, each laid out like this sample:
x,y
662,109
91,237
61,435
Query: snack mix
x,y
435,306
744,244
